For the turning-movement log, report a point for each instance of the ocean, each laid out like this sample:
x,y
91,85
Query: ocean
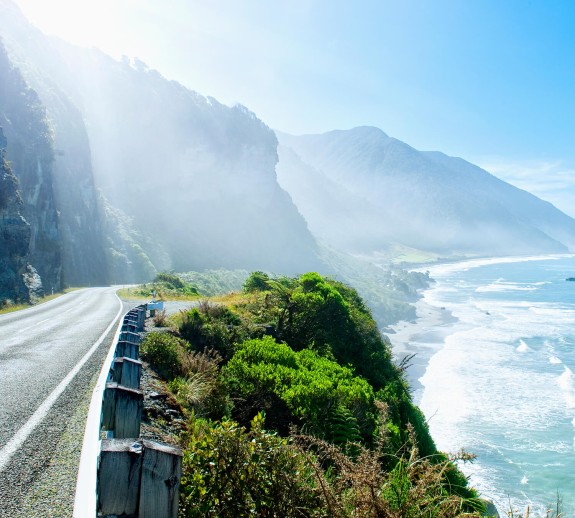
x,y
494,374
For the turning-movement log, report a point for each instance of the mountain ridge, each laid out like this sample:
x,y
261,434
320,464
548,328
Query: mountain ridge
x,y
421,194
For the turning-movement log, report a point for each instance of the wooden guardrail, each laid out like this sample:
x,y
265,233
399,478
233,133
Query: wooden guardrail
x,y
124,475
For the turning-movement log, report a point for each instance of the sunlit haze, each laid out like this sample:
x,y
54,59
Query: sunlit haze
x,y
485,80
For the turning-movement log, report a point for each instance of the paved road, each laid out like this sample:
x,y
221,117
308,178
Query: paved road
x,y
49,358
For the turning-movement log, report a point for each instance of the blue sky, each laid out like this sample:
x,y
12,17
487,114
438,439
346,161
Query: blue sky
x,y
491,81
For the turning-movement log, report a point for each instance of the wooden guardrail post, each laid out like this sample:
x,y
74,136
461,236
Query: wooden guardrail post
x,y
142,315
130,328
119,477
139,478
132,320
160,482
127,350
127,372
130,336
122,410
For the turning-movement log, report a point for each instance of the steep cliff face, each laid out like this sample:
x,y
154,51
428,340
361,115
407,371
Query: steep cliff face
x,y
197,177
30,153
74,193
14,235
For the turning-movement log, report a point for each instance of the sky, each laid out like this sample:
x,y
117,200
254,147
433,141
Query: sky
x,y
489,81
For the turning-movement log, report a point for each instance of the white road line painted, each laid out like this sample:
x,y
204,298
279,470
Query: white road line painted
x,y
85,499
34,325
12,446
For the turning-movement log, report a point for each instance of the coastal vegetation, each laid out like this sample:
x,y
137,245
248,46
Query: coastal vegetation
x,y
295,408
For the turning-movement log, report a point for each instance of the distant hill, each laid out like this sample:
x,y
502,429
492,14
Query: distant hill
x,y
362,191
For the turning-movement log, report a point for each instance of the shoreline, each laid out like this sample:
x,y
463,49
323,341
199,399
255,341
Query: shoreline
x,y
508,470
423,337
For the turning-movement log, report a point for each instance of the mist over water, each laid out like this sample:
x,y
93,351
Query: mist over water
x,y
500,380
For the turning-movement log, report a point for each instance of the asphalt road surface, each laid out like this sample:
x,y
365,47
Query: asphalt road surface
x,y
50,356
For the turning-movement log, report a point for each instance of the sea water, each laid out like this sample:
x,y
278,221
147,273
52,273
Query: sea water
x,y
500,381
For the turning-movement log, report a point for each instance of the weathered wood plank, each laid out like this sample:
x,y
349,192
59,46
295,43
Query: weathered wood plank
x,y
122,410
130,336
119,477
142,315
127,350
131,319
132,328
128,413
127,372
160,482
109,406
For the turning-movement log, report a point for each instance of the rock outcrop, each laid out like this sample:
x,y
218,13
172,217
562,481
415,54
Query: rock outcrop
x,y
29,150
14,235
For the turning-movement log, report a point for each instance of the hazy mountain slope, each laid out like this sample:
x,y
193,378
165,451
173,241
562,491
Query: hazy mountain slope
x,y
424,200
198,176
335,214
525,207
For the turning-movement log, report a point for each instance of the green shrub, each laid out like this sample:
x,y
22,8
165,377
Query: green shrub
x,y
163,351
257,281
331,318
298,387
200,388
230,472
171,280
212,326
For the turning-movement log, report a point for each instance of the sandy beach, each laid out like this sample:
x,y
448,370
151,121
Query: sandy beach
x,y
422,337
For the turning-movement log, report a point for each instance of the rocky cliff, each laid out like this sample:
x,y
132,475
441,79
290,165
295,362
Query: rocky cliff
x,y
30,152
195,179
195,175
14,235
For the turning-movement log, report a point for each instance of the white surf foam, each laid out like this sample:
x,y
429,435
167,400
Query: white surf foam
x,y
501,286
522,347
567,384
447,269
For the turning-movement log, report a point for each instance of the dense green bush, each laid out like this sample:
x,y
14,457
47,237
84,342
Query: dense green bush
x,y
306,351
169,284
257,281
230,472
171,280
332,319
163,351
301,388
213,326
